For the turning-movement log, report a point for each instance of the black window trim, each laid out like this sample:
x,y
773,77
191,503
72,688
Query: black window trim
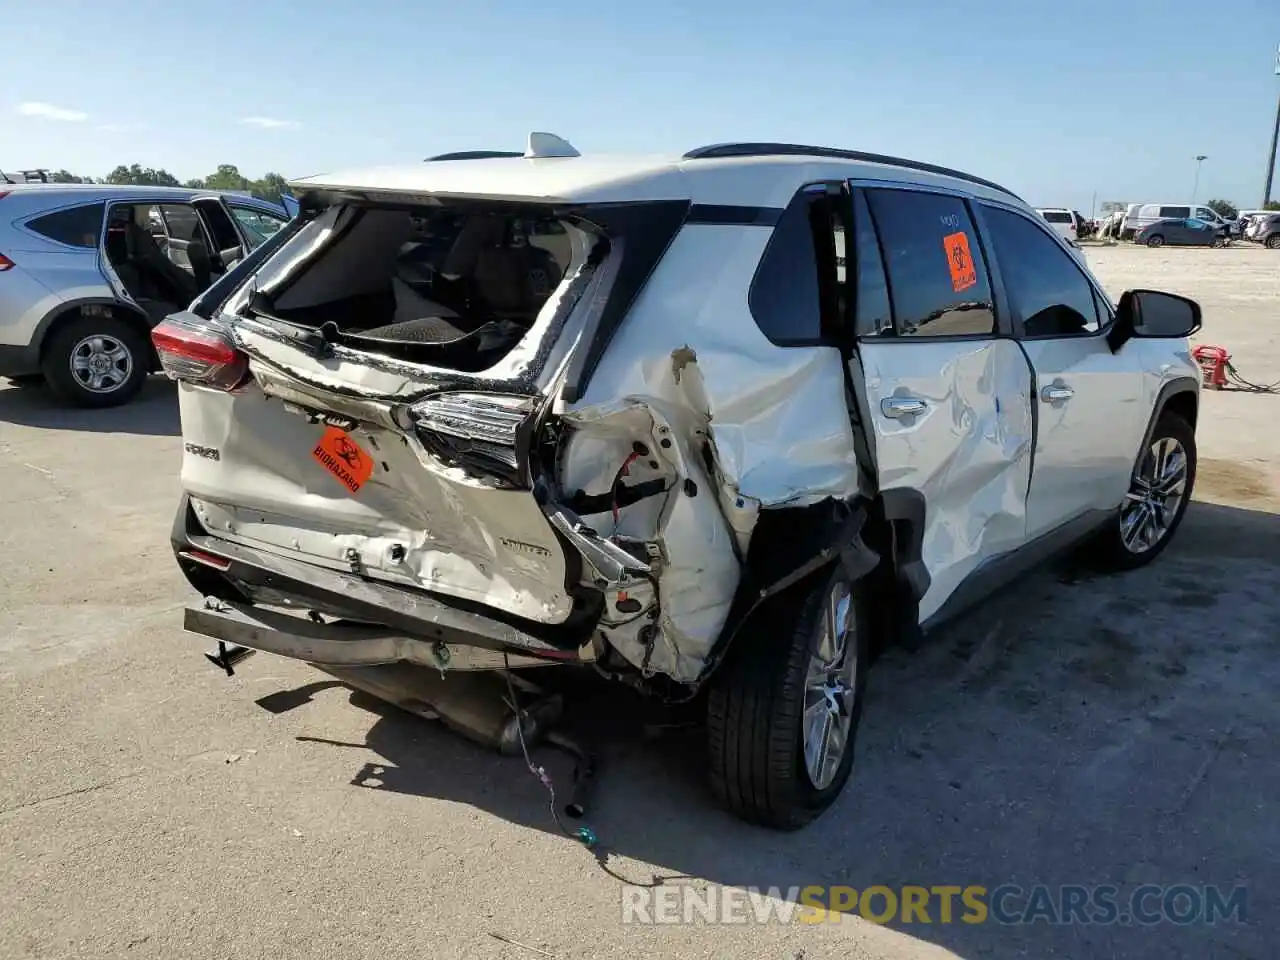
x,y
1100,297
812,190
972,204
25,222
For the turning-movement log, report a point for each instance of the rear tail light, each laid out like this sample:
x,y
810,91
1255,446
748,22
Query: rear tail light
x,y
199,352
488,433
6,263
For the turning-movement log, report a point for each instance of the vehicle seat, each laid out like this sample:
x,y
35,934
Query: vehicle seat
x,y
515,281
198,257
175,283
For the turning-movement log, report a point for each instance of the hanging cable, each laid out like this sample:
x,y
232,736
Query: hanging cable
x,y
1244,384
583,834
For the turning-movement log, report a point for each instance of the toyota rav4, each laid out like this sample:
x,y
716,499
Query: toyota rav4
x,y
716,426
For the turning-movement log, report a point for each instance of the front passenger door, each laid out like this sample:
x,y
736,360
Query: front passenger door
x,y
1090,414
947,391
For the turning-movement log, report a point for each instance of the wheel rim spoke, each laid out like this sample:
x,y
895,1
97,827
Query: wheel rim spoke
x,y
1155,496
830,690
100,363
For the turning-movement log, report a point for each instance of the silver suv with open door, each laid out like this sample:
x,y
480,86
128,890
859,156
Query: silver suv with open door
x,y
86,270
717,426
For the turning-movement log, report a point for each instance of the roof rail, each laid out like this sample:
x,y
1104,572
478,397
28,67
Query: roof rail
x,y
726,150
475,155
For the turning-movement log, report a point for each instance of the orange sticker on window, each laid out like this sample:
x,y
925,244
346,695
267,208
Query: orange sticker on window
x,y
342,457
960,261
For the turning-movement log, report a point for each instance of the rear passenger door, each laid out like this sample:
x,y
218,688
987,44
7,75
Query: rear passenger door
x,y
1089,401
947,389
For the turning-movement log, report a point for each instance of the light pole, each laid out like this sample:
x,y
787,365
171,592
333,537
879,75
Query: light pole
x,y
1196,186
1275,135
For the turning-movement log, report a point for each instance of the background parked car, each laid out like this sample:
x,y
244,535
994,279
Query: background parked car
x,y
1265,230
1183,233
1140,215
1065,222
87,270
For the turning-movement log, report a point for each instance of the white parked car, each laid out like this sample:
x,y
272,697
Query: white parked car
x,y
640,415
1064,221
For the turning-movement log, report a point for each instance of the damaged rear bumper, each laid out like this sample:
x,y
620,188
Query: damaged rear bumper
x,y
337,644
370,622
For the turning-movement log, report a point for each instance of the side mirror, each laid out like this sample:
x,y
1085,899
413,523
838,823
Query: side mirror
x,y
1153,314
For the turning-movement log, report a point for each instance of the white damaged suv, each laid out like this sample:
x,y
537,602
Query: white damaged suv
x,y
714,424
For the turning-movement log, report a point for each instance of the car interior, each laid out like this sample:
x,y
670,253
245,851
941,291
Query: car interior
x,y
160,252
465,285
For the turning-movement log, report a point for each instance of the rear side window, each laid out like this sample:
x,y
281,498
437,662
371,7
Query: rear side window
x,y
1056,216
1046,287
76,226
937,277
1175,213
784,297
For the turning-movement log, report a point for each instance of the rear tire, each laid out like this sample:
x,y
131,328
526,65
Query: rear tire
x,y
1155,240
95,361
1273,242
1150,514
757,723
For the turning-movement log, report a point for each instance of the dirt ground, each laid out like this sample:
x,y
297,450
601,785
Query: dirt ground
x,y
1077,730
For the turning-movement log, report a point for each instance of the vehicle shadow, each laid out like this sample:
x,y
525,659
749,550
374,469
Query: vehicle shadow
x,y
1079,730
153,412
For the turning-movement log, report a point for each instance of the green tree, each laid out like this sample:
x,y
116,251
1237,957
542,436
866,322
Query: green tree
x,y
66,176
1224,209
227,177
1271,205
271,187
135,175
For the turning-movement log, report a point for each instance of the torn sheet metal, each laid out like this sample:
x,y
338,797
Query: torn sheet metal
x,y
777,417
737,423
669,616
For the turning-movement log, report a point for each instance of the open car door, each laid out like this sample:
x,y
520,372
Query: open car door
x,y
228,247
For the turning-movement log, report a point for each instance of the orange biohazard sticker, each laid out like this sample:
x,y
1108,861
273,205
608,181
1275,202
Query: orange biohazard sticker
x,y
342,457
960,261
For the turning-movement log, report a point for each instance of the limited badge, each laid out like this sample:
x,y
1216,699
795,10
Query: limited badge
x,y
344,458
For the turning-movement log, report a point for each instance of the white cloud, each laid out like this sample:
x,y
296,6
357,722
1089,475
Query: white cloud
x,y
270,123
50,112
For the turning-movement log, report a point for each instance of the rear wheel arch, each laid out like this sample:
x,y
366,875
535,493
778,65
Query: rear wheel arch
x,y
72,310
110,335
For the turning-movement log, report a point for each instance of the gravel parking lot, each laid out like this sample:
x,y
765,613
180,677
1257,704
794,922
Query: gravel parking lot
x,y
1078,730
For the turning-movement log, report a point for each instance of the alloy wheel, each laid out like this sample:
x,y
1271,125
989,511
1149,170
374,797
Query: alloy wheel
x,y
1155,496
829,693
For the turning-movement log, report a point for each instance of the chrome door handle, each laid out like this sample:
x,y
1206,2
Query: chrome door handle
x,y
898,407
1056,393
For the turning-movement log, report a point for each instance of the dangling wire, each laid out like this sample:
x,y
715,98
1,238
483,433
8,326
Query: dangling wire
x,y
1247,385
583,834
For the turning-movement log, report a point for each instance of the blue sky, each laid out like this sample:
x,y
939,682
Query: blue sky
x,y
1058,99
